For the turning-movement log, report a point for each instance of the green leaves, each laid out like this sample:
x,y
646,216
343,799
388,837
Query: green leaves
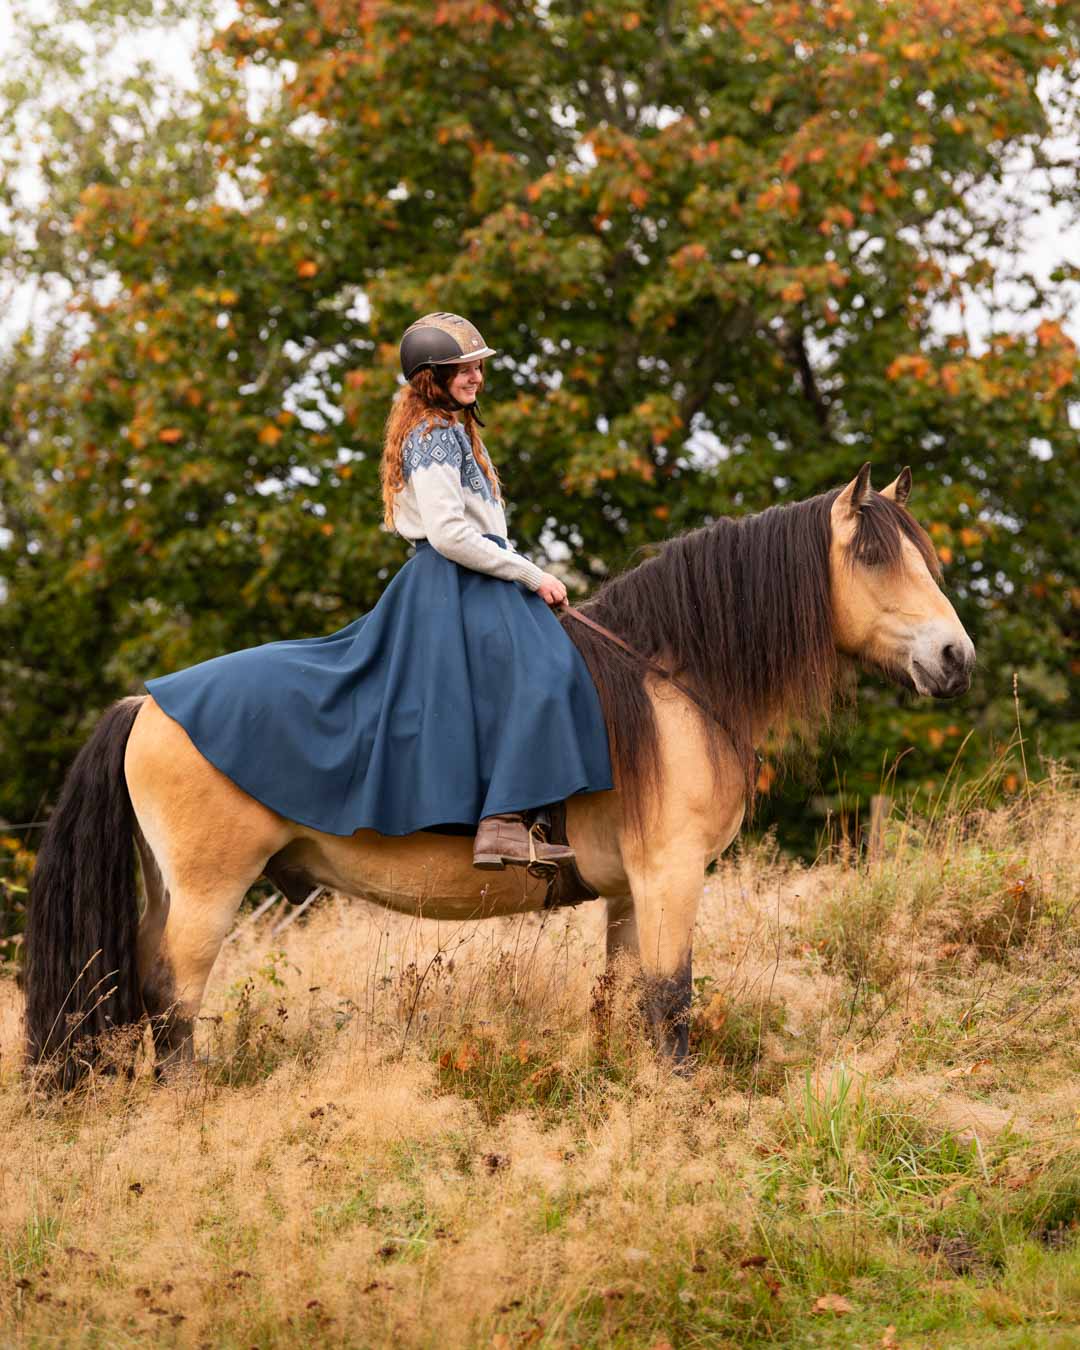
x,y
705,237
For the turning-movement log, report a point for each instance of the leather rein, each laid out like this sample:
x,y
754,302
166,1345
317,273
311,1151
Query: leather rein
x,y
568,610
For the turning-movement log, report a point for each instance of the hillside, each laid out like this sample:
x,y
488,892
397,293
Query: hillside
x,y
418,1134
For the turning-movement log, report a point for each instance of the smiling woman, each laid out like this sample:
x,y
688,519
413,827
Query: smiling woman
x,y
458,701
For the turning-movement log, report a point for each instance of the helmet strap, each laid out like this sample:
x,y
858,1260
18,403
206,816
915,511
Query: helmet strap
x,y
473,407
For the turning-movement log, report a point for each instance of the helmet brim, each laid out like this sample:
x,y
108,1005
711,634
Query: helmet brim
x,y
466,359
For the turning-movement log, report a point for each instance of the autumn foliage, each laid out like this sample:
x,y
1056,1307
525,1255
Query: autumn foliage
x,y
727,252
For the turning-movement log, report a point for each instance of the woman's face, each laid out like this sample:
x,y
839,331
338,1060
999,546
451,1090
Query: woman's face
x,y
466,382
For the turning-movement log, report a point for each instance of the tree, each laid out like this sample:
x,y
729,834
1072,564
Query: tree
x,y
709,240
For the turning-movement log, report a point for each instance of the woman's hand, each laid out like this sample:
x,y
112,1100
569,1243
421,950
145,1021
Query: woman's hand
x,y
552,590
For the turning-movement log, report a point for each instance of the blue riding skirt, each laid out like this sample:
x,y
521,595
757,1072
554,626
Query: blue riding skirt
x,y
457,697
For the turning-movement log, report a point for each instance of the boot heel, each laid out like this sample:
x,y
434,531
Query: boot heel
x,y
489,862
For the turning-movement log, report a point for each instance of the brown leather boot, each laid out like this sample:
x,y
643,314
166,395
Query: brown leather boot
x,y
507,839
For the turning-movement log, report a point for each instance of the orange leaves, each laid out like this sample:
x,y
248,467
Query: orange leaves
x,y
700,154
784,197
950,378
631,21
469,13
270,434
663,422
914,366
307,267
552,182
1050,334
170,435
690,255
834,216
793,292
464,1058
838,16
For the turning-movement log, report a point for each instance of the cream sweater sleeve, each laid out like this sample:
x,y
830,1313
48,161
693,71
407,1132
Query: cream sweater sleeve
x,y
441,500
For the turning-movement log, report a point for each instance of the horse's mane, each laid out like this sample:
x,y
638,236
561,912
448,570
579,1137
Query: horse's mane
x,y
741,611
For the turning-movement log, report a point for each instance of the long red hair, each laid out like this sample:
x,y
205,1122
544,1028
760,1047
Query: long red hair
x,y
426,401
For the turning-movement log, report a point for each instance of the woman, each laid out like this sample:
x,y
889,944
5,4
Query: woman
x,y
458,701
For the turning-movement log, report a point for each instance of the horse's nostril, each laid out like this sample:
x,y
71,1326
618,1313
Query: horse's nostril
x,y
951,656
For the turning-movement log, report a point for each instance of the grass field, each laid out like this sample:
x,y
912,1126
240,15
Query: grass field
x,y
414,1134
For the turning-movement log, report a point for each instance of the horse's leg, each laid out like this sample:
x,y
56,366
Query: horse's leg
x,y
156,911
622,934
199,912
203,843
666,895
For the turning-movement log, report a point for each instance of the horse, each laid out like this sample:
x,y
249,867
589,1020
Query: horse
x,y
729,632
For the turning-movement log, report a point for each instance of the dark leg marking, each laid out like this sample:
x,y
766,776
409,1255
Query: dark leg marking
x,y
172,1032
666,1003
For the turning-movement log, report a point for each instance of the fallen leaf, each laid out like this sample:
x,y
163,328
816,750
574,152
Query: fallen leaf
x,y
967,1070
832,1303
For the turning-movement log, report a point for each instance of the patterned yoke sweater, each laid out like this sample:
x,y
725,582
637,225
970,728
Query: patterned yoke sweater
x,y
448,501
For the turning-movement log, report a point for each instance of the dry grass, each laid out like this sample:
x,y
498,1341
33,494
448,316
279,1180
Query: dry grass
x,y
414,1134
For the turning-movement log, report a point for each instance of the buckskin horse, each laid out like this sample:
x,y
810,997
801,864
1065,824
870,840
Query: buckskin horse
x,y
730,631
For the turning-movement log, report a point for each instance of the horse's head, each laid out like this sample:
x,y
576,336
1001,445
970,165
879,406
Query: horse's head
x,y
889,612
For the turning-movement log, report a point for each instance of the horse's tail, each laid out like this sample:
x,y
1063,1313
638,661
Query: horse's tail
x,y
81,975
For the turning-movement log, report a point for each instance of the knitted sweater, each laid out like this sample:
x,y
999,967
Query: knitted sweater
x,y
448,501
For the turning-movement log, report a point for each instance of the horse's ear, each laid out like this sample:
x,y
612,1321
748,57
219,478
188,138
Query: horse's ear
x,y
856,492
899,490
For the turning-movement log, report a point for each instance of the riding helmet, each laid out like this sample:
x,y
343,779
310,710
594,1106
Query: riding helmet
x,y
441,340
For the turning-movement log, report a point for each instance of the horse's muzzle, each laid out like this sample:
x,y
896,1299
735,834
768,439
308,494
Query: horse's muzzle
x,y
946,671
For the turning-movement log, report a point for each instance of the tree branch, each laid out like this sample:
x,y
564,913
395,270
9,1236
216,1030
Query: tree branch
x,y
793,345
